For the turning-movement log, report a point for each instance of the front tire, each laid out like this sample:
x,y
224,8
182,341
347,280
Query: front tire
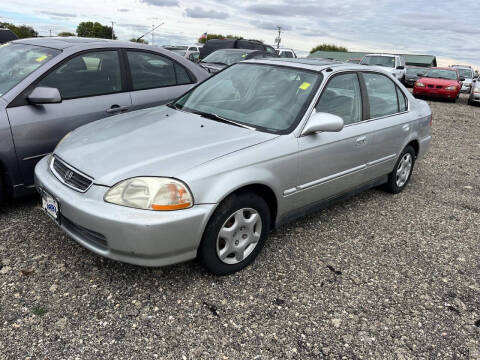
x,y
400,176
235,234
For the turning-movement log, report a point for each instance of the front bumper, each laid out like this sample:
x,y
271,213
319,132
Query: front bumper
x,y
438,93
141,237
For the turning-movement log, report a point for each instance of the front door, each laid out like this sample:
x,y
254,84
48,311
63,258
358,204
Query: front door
x,y
331,163
91,88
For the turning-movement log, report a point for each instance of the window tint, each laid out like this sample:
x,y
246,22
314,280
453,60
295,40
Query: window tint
x,y
153,71
382,95
342,97
402,101
89,74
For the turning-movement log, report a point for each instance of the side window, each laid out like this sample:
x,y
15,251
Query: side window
x,y
402,101
182,75
382,95
151,71
342,97
89,74
288,54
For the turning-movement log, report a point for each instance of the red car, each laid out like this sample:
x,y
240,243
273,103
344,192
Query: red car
x,y
440,83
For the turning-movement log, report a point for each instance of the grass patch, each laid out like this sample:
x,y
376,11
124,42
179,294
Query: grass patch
x,y
39,311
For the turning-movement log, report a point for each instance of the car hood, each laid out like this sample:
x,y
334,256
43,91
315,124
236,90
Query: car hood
x,y
436,81
152,142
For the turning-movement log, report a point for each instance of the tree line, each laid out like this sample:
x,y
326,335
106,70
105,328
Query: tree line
x,y
96,30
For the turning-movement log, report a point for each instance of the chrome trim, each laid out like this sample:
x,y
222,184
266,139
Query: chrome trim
x,y
60,178
378,161
35,156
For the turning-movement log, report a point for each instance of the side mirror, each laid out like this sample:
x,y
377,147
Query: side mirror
x,y
44,95
400,67
320,121
474,80
462,79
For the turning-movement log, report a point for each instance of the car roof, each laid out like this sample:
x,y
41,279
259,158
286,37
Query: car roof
x,y
381,55
61,43
310,64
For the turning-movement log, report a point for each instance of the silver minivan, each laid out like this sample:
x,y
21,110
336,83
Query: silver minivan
x,y
253,147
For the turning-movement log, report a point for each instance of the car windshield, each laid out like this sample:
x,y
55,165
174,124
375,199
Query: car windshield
x,y
465,73
226,57
266,97
441,74
415,71
387,61
17,61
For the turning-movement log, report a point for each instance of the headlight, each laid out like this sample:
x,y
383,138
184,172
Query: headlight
x,y
151,193
419,84
452,87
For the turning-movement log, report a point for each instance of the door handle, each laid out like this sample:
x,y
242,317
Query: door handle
x,y
406,127
362,140
116,109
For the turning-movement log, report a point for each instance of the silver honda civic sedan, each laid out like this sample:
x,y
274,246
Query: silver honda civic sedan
x,y
253,147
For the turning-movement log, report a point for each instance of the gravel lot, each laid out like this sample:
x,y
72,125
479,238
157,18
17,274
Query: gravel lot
x,y
378,276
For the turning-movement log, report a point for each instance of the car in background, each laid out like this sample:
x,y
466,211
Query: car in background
x,y
393,64
254,147
465,72
218,44
412,74
192,49
50,86
286,53
7,35
194,57
354,61
220,59
439,82
474,97
180,50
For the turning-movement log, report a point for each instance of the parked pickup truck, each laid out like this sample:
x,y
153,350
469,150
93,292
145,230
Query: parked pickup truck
x,y
394,64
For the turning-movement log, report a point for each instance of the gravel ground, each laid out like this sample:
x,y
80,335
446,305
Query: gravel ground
x,y
378,276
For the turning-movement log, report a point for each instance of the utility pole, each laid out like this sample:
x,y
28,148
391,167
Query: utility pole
x,y
50,32
153,32
278,40
112,29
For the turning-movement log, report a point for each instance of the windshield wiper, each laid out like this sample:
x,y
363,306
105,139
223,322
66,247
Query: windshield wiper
x,y
172,105
219,118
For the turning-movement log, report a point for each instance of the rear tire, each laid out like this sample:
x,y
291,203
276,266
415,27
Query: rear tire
x,y
235,234
400,176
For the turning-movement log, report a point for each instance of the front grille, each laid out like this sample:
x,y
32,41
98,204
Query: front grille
x,y
69,176
430,86
439,86
92,237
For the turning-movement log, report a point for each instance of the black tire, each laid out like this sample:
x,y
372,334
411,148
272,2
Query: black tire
x,y
392,186
207,252
2,190
469,102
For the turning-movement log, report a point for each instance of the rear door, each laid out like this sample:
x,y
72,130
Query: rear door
x,y
92,87
389,120
156,79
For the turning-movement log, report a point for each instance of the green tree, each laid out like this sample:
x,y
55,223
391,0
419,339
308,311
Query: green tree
x,y
66,33
218,36
95,30
22,31
140,41
328,47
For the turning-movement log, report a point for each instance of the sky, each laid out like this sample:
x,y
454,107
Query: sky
x,y
447,29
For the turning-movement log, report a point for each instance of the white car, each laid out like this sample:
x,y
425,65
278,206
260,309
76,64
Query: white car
x,y
286,53
393,64
466,72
